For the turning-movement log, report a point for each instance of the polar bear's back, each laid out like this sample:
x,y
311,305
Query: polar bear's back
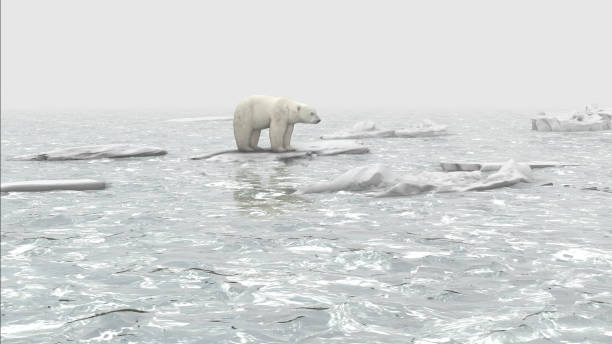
x,y
255,111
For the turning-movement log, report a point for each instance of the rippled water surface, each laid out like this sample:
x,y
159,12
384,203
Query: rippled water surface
x,y
188,251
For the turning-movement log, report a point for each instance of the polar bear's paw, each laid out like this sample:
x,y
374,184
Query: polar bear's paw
x,y
246,149
279,150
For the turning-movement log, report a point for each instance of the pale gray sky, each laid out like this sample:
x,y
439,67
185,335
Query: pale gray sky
x,y
132,53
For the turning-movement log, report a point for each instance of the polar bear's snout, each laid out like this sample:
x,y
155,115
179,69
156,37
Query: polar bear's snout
x,y
314,118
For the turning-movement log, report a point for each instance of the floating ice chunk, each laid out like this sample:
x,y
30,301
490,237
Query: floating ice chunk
x,y
406,189
431,181
361,130
591,119
200,119
492,166
95,152
509,174
382,180
368,129
51,185
364,126
423,129
357,179
304,150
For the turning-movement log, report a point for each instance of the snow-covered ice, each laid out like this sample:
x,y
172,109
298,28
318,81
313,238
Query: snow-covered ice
x,y
493,166
383,182
95,152
302,150
591,119
368,129
51,185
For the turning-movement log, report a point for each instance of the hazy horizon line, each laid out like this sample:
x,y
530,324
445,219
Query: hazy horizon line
x,y
218,107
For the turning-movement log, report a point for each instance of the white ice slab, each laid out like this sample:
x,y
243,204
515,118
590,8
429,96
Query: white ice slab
x,y
95,152
509,174
493,166
200,119
357,179
591,119
303,150
368,129
50,185
380,180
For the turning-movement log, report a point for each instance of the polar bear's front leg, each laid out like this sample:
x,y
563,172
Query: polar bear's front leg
x,y
277,135
287,138
242,134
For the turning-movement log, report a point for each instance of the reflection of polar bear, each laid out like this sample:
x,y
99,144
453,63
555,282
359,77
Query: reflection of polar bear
x,y
279,114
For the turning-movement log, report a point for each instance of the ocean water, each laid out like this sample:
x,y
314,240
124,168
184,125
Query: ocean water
x,y
183,251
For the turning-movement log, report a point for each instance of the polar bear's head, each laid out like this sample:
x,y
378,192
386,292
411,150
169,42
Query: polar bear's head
x,y
306,114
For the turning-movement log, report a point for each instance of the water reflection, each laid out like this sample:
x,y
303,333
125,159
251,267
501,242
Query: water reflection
x,y
259,193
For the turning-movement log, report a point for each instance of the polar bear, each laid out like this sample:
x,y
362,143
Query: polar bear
x,y
277,113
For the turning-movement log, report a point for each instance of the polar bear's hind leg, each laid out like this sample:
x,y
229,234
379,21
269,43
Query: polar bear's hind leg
x,y
254,140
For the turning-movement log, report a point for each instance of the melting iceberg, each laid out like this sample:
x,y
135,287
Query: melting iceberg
x,y
94,152
382,182
51,185
591,119
368,129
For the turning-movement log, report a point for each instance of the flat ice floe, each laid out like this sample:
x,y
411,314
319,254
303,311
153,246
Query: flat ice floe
x,y
52,185
382,182
493,166
368,129
591,119
94,152
303,150
200,119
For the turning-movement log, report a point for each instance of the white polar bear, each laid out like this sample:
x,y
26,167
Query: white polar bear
x,y
277,113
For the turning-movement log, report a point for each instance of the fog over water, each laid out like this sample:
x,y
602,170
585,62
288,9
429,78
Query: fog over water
x,y
344,53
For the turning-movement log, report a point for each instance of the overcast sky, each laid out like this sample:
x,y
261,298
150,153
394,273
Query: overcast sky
x,y
130,53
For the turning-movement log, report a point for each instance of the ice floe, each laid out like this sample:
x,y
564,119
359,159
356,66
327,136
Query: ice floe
x,y
493,166
382,182
368,129
591,119
51,185
303,150
94,152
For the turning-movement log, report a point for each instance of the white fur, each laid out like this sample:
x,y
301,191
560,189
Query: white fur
x,y
277,113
